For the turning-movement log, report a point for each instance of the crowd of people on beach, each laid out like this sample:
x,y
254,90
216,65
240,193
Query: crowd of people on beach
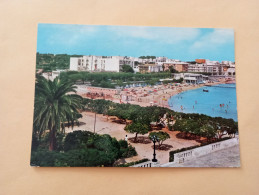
x,y
156,95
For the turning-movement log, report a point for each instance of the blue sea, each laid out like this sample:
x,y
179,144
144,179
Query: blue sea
x,y
198,101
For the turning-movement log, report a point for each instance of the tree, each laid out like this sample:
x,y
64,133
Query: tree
x,y
83,76
162,136
208,131
53,107
119,83
153,81
137,128
163,67
147,57
127,68
172,70
156,113
84,148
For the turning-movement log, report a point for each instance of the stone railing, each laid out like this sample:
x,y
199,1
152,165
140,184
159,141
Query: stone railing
x,y
147,164
188,155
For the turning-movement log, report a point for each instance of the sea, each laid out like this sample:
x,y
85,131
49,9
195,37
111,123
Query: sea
x,y
219,101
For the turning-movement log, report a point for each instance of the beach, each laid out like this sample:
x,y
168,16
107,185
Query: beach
x,y
157,95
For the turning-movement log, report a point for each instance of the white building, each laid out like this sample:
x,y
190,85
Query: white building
x,y
100,63
230,72
197,68
191,78
52,75
213,67
155,68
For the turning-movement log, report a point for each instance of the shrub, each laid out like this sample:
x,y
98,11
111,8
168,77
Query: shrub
x,y
128,152
34,143
78,139
123,143
83,148
89,157
44,158
170,127
133,163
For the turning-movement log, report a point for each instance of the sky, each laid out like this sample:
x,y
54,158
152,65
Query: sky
x,y
185,44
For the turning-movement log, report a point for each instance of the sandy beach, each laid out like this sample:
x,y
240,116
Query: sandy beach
x,y
152,95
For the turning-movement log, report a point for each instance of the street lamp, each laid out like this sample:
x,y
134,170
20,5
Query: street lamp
x,y
154,140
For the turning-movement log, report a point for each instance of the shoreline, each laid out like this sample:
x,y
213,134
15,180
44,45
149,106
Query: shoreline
x,y
161,99
158,95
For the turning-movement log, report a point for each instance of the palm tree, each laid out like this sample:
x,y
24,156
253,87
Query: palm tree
x,y
55,103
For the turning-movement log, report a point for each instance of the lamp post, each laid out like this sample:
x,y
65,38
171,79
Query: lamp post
x,y
154,140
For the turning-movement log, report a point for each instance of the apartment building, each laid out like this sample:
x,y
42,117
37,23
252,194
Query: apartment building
x,y
100,63
145,68
212,67
177,65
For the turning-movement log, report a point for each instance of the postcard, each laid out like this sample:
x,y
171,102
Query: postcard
x,y
134,96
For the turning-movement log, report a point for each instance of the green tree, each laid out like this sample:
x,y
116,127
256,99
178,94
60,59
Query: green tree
x,y
119,83
163,67
53,107
208,131
162,136
127,68
84,76
137,128
172,70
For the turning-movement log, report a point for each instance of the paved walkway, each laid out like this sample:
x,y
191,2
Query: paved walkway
x,y
228,157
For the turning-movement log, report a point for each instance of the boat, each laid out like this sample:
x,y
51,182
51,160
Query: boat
x,y
205,90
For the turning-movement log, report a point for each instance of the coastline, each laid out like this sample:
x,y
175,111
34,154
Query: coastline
x,y
163,94
152,95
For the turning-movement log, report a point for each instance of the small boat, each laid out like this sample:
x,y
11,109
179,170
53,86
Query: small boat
x,y
205,90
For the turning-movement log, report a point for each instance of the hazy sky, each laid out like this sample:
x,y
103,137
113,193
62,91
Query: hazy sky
x,y
185,44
